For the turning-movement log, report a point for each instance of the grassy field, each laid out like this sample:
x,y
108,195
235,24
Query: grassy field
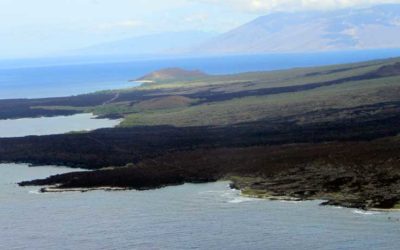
x,y
249,109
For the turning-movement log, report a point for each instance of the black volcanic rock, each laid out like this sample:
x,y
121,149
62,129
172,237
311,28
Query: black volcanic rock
x,y
355,174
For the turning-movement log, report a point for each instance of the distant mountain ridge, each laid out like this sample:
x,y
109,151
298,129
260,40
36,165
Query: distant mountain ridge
x,y
376,27
162,43
349,29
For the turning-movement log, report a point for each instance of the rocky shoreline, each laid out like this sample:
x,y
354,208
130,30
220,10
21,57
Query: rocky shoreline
x,y
245,191
342,188
364,175
328,133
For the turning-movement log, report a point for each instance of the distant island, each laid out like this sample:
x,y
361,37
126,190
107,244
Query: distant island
x,y
328,133
171,74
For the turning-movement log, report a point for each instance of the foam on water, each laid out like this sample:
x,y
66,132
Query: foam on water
x,y
362,212
292,202
34,192
243,199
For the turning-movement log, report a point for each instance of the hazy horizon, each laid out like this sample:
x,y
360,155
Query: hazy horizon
x,y
46,28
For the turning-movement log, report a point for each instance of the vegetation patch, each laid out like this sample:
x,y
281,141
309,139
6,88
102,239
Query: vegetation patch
x,y
163,103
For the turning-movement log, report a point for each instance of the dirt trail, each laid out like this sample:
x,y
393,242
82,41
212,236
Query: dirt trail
x,y
112,99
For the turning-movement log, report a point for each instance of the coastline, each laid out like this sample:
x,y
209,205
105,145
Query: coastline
x,y
248,193
56,189
342,148
290,174
316,198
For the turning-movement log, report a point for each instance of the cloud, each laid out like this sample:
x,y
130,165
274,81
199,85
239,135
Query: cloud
x,y
197,17
293,5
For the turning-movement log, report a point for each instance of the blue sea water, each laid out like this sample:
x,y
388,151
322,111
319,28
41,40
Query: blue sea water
x,y
204,216
45,78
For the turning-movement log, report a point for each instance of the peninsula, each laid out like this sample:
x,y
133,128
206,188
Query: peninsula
x,y
327,133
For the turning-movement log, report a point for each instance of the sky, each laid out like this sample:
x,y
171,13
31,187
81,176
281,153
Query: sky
x,y
30,28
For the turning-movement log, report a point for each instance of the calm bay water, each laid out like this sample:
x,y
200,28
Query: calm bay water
x,y
206,216
50,78
52,125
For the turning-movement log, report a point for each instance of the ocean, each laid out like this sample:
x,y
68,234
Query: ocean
x,y
202,216
61,77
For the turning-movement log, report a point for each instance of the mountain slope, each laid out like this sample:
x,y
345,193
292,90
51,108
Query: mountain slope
x,y
151,44
369,28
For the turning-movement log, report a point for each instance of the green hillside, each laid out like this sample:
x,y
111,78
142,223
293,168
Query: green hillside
x,y
230,99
